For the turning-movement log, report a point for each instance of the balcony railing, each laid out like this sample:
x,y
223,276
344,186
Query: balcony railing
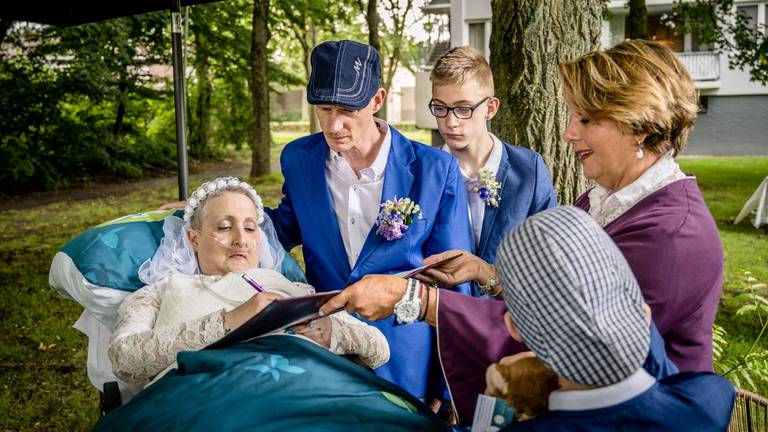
x,y
703,66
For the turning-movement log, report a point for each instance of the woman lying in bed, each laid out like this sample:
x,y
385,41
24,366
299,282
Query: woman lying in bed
x,y
228,234
286,381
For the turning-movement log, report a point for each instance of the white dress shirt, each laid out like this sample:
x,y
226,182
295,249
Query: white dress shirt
x,y
602,397
474,202
606,207
356,200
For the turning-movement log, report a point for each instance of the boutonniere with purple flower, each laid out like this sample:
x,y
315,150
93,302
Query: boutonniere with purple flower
x,y
395,216
488,188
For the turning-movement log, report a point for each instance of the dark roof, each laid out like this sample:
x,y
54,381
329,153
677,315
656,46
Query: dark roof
x,y
73,12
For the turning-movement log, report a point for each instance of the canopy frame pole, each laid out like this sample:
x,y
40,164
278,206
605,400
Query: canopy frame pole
x,y
179,99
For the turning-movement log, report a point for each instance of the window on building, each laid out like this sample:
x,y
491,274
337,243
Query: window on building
x,y
699,46
751,13
664,34
477,37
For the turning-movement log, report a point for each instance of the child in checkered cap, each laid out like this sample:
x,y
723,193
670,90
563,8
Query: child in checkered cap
x,y
572,298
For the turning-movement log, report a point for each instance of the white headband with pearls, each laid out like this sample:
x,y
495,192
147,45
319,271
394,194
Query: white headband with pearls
x,y
209,188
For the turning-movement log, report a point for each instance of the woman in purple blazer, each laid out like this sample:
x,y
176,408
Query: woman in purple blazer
x,y
631,108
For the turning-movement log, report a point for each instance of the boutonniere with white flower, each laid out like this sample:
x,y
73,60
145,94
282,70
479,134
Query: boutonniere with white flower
x,y
488,188
395,216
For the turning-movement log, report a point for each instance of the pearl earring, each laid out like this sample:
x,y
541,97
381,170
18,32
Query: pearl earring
x,y
639,154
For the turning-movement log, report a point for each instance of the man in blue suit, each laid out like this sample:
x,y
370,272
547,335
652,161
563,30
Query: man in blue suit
x,y
335,183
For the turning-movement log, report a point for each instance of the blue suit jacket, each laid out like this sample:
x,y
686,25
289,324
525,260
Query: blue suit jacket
x,y
306,216
526,189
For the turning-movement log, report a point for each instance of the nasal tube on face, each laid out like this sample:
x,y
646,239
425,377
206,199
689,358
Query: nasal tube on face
x,y
242,244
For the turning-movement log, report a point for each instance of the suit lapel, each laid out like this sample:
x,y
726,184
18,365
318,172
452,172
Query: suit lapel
x,y
492,213
318,194
398,180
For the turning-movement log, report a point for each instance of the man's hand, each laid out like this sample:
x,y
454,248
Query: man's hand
x,y
176,205
372,297
465,268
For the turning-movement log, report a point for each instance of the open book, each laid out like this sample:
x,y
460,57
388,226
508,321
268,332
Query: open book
x,y
278,315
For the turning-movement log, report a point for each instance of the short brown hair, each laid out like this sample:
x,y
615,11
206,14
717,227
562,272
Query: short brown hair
x,y
641,86
460,65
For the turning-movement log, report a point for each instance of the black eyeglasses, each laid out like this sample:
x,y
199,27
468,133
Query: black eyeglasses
x,y
461,112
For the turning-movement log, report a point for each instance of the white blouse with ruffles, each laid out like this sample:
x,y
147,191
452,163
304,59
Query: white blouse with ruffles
x,y
606,207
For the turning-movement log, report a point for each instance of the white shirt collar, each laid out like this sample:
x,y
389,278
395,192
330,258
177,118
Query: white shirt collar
x,y
605,206
602,397
494,159
379,165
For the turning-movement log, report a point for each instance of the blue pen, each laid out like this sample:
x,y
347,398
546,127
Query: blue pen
x,y
252,283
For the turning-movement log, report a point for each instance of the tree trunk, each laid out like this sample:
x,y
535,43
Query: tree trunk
x,y
372,19
637,20
528,40
201,137
117,127
260,89
309,46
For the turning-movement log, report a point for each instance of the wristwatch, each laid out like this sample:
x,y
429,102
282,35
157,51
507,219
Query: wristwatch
x,y
407,309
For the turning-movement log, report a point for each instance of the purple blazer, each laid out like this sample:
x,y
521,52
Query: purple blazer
x,y
672,245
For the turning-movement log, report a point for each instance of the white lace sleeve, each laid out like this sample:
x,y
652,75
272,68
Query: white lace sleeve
x,y
139,351
349,335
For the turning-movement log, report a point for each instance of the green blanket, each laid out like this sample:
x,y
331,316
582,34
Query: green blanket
x,y
275,383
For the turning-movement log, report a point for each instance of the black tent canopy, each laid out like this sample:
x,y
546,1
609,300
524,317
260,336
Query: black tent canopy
x,y
68,13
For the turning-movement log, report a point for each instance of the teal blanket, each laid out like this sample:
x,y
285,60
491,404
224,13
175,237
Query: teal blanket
x,y
275,383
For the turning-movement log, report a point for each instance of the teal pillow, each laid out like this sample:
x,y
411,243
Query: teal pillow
x,y
109,255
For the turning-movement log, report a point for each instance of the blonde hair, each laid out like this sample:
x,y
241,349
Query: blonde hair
x,y
639,85
460,65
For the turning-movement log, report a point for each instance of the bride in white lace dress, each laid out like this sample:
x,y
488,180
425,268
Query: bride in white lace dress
x,y
196,294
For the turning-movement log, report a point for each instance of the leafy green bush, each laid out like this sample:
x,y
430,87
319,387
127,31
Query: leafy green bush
x,y
747,368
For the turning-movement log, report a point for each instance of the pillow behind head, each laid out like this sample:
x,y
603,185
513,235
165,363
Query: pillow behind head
x,y
110,254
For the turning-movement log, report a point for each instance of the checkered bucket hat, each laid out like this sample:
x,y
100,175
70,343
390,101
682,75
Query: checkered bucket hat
x,y
573,297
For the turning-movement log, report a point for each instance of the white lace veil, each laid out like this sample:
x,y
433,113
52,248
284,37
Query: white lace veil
x,y
175,254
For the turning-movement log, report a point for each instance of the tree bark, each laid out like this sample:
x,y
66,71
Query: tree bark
x,y
117,126
308,47
528,40
260,163
372,18
201,137
637,20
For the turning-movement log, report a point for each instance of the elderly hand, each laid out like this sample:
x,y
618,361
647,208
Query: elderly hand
x,y
318,330
239,315
462,269
372,297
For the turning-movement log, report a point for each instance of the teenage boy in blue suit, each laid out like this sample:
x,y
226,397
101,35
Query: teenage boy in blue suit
x,y
335,183
463,103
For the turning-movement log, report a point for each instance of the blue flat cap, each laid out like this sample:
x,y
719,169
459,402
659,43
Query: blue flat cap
x,y
344,73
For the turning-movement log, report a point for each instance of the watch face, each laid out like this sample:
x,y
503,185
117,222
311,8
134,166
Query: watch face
x,y
407,312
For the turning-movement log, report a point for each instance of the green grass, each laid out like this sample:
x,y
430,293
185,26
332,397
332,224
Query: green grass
x,y
726,183
43,385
